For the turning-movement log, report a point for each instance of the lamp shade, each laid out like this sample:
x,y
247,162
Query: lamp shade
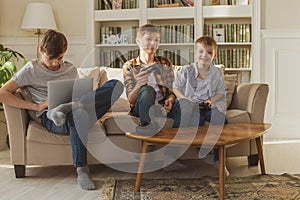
x,y
38,16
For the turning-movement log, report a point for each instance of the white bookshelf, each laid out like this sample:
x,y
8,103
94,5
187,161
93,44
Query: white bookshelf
x,y
197,16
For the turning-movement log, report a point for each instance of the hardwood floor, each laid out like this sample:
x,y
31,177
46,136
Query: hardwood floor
x,y
59,182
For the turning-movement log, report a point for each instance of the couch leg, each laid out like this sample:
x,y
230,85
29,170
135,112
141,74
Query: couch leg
x,y
19,171
253,160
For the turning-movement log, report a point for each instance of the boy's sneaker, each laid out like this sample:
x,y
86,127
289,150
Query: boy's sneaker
x,y
147,129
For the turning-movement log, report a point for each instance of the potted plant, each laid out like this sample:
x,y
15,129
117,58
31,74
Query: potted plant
x,y
7,69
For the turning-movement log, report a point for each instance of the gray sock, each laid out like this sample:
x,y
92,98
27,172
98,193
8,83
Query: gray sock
x,y
84,180
58,114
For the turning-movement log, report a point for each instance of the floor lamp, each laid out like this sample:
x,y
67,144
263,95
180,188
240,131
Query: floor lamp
x,y
38,17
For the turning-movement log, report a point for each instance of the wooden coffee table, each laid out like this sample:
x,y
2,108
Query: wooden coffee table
x,y
231,134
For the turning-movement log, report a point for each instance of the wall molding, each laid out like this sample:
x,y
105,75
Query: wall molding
x,y
280,34
279,65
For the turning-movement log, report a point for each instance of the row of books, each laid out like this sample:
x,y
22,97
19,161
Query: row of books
x,y
115,59
227,2
234,58
231,58
117,4
176,33
229,32
171,3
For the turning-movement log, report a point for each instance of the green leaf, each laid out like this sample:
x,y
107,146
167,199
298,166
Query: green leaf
x,y
4,76
11,66
8,56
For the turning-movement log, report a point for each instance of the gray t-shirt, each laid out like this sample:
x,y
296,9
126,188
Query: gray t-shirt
x,y
34,76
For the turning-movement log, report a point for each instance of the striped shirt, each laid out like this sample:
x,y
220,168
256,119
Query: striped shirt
x,y
164,79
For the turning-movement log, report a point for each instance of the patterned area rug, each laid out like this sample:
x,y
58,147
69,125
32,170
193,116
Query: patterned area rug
x,y
266,187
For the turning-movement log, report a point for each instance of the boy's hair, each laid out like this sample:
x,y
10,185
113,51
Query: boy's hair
x,y
207,41
54,43
147,28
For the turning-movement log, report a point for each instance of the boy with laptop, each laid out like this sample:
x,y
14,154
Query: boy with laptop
x,y
73,118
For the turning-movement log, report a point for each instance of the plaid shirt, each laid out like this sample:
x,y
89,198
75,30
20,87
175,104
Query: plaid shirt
x,y
164,80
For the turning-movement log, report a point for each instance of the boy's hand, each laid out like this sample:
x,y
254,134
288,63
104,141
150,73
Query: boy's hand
x,y
168,105
142,78
210,103
42,106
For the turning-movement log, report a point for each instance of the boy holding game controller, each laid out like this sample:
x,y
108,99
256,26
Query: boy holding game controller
x,y
148,81
202,85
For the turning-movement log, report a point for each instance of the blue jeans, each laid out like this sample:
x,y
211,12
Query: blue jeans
x,y
94,105
193,116
145,100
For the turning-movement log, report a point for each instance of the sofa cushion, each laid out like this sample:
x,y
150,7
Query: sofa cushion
x,y
37,133
122,122
237,116
90,72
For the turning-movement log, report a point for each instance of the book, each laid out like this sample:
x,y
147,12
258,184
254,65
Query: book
x,y
241,2
218,34
107,4
188,3
214,2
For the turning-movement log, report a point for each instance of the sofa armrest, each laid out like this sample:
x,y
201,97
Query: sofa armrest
x,y
251,97
17,122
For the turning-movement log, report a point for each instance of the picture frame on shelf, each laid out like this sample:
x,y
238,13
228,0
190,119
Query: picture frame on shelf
x,y
219,34
116,4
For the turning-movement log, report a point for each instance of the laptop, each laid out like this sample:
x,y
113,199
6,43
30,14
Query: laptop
x,y
63,91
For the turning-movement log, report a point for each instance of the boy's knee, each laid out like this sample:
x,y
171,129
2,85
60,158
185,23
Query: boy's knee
x,y
147,91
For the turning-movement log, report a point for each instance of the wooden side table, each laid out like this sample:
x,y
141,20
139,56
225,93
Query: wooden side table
x,y
231,134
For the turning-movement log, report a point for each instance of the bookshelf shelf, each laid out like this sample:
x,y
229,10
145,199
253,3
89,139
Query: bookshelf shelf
x,y
238,69
227,11
170,13
115,45
176,44
234,43
117,15
239,44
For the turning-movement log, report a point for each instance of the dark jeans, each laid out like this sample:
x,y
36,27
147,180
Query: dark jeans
x,y
94,105
192,116
145,100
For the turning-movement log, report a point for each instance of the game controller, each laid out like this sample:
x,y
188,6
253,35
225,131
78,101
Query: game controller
x,y
204,106
153,68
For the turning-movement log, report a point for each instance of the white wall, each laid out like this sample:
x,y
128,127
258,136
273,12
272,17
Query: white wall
x,y
280,53
70,18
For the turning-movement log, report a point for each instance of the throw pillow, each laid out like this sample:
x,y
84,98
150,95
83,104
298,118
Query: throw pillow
x,y
27,97
230,84
108,73
90,72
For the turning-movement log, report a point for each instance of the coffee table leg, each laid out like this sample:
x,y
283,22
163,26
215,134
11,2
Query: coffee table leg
x,y
141,166
221,172
260,155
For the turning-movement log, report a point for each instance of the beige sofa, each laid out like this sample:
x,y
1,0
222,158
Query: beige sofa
x,y
31,144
